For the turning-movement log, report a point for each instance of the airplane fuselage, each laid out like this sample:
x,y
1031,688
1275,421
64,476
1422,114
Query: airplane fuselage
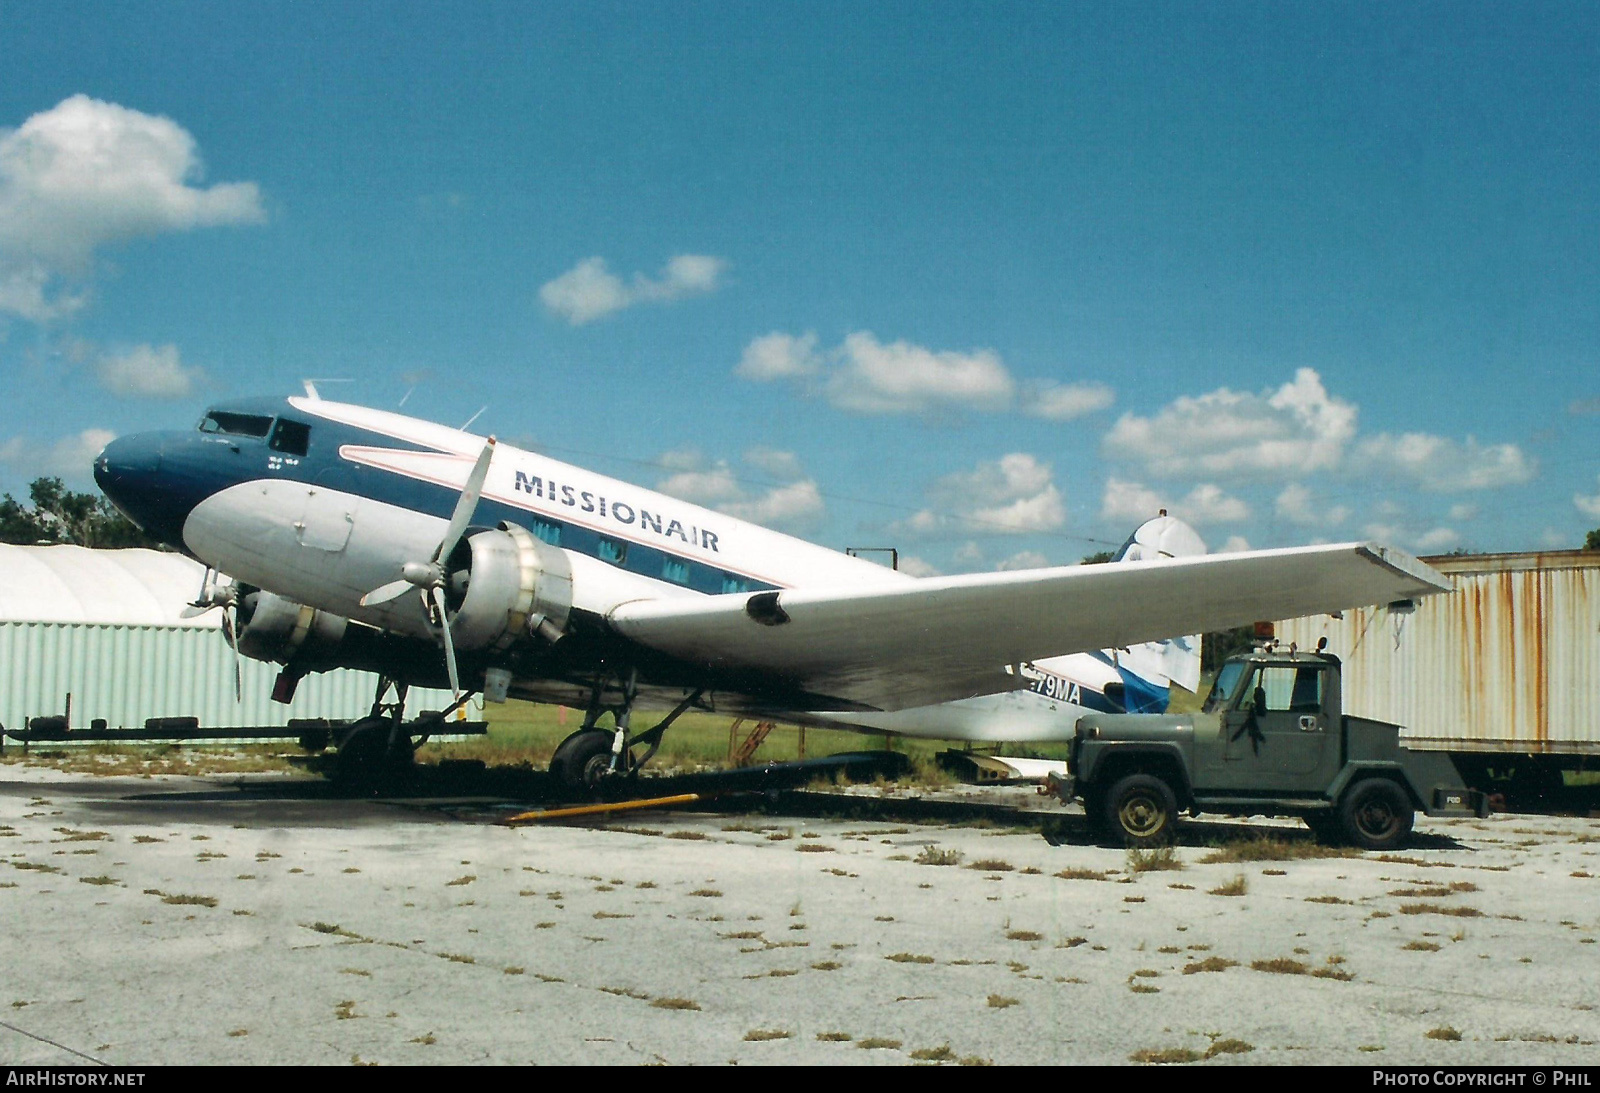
x,y
321,502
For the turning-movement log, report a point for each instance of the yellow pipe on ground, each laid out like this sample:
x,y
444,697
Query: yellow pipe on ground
x,y
596,810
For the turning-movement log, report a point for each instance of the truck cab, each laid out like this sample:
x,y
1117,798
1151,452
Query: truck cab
x,y
1270,739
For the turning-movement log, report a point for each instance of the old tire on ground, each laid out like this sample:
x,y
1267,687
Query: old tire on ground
x,y
1376,814
1141,810
365,757
582,760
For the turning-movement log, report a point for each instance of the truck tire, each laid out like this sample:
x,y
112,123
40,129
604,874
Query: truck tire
x,y
1140,810
1376,814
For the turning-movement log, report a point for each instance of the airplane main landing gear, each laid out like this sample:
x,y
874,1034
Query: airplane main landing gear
x,y
586,760
379,749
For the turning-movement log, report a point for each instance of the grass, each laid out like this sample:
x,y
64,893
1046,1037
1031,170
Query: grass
x,y
1439,909
1154,860
1421,946
675,1004
1274,848
932,855
1238,886
1443,1032
1076,873
1000,1002
940,1054
1165,1055
1228,1047
1023,935
759,1034
874,1043
1210,964
909,958
835,1037
1286,966
992,865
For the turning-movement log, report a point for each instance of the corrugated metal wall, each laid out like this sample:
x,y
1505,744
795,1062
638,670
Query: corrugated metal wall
x,y
1509,660
126,674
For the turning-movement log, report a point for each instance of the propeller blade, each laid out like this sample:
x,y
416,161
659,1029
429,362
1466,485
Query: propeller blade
x,y
238,667
392,590
467,504
449,643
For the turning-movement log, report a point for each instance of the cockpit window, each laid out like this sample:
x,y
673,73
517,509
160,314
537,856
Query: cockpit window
x,y
221,421
290,437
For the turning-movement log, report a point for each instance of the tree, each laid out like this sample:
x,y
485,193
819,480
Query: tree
x,y
58,515
1592,540
1097,558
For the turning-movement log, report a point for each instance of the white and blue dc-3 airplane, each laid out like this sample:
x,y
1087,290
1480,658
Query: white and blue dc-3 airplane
x,y
353,537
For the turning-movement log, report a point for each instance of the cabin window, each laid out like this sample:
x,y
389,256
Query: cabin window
x,y
608,550
675,571
731,584
231,424
550,533
290,437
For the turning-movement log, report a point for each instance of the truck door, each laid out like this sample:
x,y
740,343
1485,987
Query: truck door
x,y
1279,732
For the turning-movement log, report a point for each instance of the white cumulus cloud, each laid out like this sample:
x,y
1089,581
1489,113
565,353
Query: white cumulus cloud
x,y
779,356
1011,496
874,378
1441,464
70,458
148,371
1024,559
589,290
1296,428
1134,502
1589,506
1068,401
917,567
87,174
796,504
1298,505
790,505
781,465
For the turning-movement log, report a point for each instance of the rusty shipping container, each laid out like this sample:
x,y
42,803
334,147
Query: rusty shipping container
x,y
1506,664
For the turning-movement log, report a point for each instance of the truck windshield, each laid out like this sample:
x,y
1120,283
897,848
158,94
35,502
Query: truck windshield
x,y
1223,688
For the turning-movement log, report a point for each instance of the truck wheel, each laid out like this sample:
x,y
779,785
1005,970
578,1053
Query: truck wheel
x,y
1141,809
1376,814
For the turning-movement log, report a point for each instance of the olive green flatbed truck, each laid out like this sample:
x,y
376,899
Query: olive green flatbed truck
x,y
1269,740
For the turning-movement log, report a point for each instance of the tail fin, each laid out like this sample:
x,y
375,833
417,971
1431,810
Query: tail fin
x,y
1148,669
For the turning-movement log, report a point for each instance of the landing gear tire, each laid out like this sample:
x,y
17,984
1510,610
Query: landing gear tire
x,y
583,761
1140,810
365,758
1376,814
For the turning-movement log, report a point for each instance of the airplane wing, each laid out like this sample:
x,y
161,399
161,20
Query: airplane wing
x,y
944,638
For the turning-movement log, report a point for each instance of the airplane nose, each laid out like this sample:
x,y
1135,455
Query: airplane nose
x,y
129,472
127,466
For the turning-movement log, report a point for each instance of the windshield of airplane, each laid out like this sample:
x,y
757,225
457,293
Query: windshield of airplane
x,y
221,421
1223,688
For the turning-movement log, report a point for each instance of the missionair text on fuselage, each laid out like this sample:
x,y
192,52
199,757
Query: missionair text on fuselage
x,y
620,511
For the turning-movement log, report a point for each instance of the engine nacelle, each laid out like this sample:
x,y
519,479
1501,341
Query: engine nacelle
x,y
277,630
516,586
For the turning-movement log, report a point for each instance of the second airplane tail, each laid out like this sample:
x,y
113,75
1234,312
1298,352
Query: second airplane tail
x,y
1148,670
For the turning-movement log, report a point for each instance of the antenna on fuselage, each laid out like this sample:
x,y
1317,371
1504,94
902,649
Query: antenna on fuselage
x,y
311,386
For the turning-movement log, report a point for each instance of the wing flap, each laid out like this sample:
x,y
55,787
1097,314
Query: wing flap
x,y
948,637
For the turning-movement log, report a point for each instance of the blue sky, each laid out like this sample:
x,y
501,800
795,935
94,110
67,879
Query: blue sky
x,y
985,282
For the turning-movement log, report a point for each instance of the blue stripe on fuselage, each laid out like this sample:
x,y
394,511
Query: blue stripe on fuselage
x,y
323,466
